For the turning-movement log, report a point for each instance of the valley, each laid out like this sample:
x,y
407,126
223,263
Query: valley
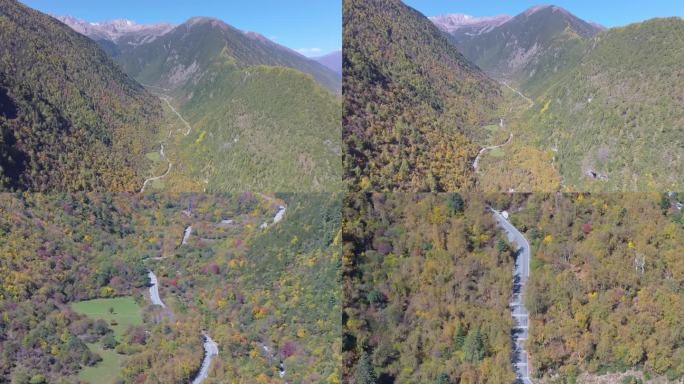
x,y
206,300
265,117
561,65
587,105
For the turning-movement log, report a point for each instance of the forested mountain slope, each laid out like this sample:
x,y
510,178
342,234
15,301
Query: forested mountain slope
x,y
262,128
170,60
262,117
606,288
70,119
607,103
267,293
427,282
616,117
412,102
529,47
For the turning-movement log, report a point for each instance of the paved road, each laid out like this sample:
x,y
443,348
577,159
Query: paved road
x,y
186,234
280,214
210,351
485,149
161,150
520,315
519,93
154,290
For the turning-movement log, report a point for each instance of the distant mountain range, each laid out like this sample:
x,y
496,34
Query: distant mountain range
x,y
259,115
516,47
468,25
114,30
332,60
131,43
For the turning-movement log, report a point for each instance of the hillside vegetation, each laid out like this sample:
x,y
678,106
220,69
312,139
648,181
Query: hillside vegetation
x,y
607,112
618,112
248,285
263,117
69,118
528,48
413,104
427,282
606,290
172,59
263,128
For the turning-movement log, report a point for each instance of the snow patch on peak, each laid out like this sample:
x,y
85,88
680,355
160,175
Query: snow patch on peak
x,y
113,29
476,25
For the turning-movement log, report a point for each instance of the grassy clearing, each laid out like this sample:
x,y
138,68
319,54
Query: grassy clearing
x,y
492,128
106,371
497,152
126,312
153,156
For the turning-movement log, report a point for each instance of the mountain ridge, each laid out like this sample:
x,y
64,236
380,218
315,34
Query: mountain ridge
x,y
126,43
73,119
516,48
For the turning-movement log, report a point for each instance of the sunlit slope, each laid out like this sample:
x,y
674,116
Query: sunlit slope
x,y
616,118
70,119
413,103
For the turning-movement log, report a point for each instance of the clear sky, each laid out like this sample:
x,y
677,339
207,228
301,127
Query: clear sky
x,y
610,13
313,27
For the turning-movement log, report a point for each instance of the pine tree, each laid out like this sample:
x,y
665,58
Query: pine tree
x,y
473,346
365,373
459,337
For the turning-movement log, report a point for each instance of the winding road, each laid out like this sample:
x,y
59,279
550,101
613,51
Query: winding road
x,y
485,149
210,346
521,272
501,124
186,234
166,99
154,290
519,93
210,351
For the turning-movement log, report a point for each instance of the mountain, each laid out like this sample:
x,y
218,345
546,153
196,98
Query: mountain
x,y
467,24
172,58
261,120
115,35
526,47
70,118
270,294
413,103
260,116
616,116
332,61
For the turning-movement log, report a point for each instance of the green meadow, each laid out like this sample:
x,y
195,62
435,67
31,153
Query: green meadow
x,y
125,312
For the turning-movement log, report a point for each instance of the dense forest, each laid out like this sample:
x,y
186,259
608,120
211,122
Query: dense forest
x,y
267,293
426,281
412,103
615,117
606,291
69,118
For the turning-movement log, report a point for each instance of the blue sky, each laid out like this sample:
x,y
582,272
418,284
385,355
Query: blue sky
x,y
314,27
610,13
